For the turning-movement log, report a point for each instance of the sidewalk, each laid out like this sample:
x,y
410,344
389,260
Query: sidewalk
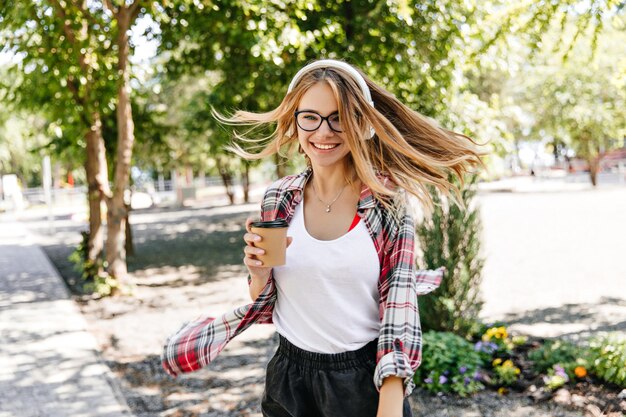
x,y
49,365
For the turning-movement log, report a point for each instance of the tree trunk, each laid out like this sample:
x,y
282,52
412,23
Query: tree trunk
x,y
129,246
117,213
280,166
97,181
594,168
245,182
226,179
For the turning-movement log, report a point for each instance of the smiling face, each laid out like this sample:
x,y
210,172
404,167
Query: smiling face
x,y
324,146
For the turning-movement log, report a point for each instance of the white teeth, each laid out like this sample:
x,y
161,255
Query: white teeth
x,y
319,146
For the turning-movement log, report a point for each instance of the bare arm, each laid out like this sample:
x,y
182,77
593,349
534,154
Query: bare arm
x,y
391,397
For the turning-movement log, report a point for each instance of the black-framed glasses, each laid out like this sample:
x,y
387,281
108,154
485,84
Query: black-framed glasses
x,y
310,120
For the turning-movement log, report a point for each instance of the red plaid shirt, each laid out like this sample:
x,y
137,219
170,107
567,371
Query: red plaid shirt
x,y
198,342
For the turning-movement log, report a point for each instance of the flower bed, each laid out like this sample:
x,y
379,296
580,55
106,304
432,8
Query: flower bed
x,y
589,375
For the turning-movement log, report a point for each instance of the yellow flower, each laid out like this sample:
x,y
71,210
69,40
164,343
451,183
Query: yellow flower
x,y
502,333
496,362
580,371
508,363
502,390
517,371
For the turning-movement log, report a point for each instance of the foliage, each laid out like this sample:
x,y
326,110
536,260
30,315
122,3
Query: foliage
x,y
409,47
451,238
506,373
556,378
450,364
558,353
95,280
608,358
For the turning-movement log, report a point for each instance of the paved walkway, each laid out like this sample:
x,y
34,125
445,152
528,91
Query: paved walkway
x,y
49,365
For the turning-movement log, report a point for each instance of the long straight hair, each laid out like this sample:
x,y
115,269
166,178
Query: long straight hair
x,y
409,149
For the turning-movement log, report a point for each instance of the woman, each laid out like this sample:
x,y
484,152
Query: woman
x,y
345,302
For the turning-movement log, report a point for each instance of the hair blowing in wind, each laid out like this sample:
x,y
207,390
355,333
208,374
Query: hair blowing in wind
x,y
411,150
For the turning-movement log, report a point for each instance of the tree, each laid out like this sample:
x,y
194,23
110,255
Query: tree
x,y
582,101
123,17
77,52
60,58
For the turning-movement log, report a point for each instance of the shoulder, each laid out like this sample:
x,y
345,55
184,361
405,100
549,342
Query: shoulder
x,y
279,189
283,183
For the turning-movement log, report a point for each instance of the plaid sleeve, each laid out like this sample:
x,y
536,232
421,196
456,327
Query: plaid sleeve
x,y
400,339
199,341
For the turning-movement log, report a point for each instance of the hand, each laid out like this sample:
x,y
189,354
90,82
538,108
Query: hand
x,y
255,266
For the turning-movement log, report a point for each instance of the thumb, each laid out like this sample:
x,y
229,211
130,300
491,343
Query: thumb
x,y
289,240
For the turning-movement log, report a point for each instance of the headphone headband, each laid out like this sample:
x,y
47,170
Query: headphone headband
x,y
332,63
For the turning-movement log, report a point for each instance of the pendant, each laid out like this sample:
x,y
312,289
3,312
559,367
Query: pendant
x,y
327,209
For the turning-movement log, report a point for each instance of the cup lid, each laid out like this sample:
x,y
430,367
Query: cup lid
x,y
271,224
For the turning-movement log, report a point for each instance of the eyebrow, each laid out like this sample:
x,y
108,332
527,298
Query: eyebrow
x,y
315,111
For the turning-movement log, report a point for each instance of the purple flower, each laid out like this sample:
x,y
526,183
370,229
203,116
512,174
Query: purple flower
x,y
446,372
443,379
463,369
486,347
477,376
559,371
428,380
466,381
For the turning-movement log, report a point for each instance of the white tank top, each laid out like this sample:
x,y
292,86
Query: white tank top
x,y
327,290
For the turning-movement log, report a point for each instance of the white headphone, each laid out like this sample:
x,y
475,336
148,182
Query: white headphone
x,y
332,63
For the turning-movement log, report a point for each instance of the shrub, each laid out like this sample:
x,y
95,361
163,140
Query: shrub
x,y
450,364
95,279
607,357
451,238
565,355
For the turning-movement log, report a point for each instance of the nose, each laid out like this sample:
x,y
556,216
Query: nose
x,y
324,129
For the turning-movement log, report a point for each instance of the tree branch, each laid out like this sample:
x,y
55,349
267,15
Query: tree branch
x,y
66,27
109,5
134,9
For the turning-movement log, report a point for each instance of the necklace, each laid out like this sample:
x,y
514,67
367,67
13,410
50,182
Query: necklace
x,y
325,203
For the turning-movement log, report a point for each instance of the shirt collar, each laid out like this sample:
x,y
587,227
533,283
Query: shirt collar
x,y
366,200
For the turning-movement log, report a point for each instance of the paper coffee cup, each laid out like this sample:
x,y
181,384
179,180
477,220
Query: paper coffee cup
x,y
273,240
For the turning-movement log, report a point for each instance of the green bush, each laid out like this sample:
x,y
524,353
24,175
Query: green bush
x,y
450,364
559,354
607,357
95,279
451,238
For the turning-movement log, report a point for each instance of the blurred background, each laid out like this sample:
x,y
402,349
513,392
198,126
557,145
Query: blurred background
x,y
116,194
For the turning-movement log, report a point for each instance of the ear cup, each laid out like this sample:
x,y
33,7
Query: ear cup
x,y
372,133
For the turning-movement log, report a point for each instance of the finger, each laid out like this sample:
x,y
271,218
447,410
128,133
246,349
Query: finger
x,y
289,240
251,238
251,251
249,220
251,262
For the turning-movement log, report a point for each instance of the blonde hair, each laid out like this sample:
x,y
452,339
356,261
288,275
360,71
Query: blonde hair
x,y
409,149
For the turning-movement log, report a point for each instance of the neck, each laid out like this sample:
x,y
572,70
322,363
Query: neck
x,y
329,181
